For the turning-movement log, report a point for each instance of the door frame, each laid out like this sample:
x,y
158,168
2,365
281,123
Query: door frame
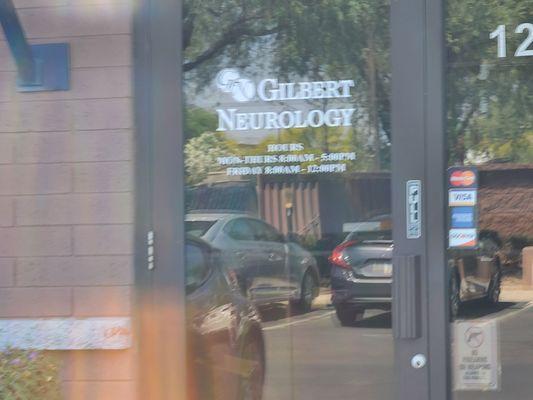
x,y
159,238
418,115
418,125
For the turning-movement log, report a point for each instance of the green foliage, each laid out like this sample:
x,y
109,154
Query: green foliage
x,y
201,155
303,36
519,242
28,375
309,241
503,134
198,121
316,141
320,39
489,99
201,152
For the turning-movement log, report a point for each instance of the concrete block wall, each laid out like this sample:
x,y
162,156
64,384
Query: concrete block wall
x,y
66,185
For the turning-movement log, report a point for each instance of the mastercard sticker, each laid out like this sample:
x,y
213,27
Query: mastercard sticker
x,y
462,177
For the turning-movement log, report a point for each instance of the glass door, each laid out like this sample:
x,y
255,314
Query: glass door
x,y
489,84
288,195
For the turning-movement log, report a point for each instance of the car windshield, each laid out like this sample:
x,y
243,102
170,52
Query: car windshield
x,y
198,228
366,236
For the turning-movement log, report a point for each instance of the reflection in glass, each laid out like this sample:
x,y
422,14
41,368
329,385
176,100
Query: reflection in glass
x,y
287,157
490,127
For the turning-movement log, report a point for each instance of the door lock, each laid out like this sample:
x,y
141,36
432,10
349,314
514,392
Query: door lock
x,y
418,361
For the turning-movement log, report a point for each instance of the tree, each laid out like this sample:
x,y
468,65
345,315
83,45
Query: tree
x,y
320,39
340,141
317,39
489,99
201,155
198,121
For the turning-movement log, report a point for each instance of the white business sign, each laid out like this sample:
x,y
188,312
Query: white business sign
x,y
414,209
109,333
269,90
476,358
462,198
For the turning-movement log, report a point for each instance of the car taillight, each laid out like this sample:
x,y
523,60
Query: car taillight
x,y
337,257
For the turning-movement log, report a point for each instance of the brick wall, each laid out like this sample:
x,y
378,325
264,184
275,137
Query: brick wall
x,y
66,185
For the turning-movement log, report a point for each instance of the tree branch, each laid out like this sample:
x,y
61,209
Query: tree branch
x,y
188,29
460,140
232,36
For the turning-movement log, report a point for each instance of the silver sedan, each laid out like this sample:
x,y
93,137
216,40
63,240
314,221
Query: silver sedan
x,y
270,267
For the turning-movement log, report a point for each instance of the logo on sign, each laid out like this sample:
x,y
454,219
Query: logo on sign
x,y
465,178
462,198
476,359
229,81
463,238
474,337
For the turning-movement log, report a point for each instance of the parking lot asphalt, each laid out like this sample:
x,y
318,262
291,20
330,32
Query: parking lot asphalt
x,y
515,330
310,356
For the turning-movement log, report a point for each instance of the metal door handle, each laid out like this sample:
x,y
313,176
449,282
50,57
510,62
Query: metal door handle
x,y
406,322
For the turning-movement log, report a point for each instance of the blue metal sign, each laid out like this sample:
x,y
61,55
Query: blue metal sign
x,y
462,217
41,67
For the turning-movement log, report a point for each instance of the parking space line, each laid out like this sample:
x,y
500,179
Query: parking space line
x,y
321,316
378,335
299,321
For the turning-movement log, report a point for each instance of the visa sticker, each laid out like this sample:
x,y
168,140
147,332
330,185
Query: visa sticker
x,y
462,198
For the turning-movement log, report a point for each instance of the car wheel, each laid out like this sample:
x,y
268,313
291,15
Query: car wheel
x,y
252,371
455,297
493,294
349,316
307,293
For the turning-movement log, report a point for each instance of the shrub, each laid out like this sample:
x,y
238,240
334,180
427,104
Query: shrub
x,y
519,242
28,375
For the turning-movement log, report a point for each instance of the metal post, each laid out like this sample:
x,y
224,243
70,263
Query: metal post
x,y
159,197
17,41
41,67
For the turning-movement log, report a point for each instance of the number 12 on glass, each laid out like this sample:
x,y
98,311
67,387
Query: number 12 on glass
x,y
522,50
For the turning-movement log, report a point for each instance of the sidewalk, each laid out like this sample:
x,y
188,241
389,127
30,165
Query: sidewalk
x,y
516,295
513,290
509,293
513,294
324,298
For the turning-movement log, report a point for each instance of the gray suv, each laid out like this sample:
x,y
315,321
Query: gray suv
x,y
270,268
